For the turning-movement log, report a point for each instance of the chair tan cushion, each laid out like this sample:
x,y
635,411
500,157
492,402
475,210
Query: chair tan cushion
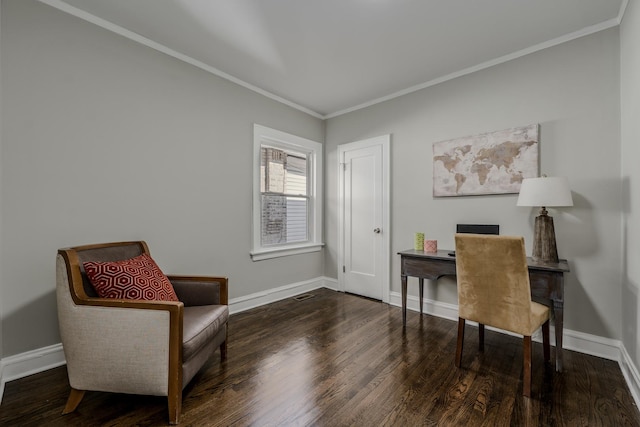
x,y
539,315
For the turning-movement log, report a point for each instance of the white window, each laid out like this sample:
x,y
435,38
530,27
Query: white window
x,y
287,194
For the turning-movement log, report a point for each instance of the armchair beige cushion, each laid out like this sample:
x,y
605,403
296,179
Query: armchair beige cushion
x,y
134,346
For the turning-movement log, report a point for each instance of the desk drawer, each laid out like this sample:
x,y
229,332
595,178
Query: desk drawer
x,y
427,268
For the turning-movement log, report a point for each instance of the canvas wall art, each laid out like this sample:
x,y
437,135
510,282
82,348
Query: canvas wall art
x,y
489,163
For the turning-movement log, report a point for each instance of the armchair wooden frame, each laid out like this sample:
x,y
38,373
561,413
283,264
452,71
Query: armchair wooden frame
x,y
174,309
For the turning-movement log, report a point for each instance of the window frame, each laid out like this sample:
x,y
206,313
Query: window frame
x,y
263,135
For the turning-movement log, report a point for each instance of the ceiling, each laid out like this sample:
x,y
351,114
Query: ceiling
x,y
328,57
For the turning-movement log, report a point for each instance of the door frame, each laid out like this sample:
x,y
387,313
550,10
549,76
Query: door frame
x,y
384,141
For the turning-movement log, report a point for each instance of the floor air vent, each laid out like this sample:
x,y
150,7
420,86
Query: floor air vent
x,y
303,297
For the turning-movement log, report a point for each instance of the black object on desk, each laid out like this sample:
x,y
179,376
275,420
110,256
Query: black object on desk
x,y
478,228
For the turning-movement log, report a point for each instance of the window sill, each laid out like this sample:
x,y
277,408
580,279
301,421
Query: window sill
x,y
262,254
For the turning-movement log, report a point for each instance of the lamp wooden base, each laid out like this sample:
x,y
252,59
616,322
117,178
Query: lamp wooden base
x,y
544,239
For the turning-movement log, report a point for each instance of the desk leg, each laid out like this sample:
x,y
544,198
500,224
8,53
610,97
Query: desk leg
x,y
558,314
421,281
404,300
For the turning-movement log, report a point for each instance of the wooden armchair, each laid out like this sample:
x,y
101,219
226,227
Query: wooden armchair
x,y
135,346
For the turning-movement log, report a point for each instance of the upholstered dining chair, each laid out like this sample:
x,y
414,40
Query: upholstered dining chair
x,y
494,290
152,341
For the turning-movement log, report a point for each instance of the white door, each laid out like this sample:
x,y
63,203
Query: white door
x,y
364,229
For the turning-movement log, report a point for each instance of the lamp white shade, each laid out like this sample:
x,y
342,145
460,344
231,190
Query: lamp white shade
x,y
545,191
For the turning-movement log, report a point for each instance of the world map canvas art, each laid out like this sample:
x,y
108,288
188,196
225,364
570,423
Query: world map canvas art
x,y
489,163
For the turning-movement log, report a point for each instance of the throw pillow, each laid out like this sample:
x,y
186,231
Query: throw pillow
x,y
137,278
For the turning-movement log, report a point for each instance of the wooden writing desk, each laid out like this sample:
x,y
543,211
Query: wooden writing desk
x,y
547,283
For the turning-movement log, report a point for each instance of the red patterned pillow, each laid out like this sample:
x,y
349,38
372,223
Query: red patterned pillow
x,y
136,278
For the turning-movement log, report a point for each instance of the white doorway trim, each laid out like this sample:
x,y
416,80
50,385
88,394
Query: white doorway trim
x,y
384,141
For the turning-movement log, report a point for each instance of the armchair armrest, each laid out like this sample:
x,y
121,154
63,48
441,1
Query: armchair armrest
x,y
201,290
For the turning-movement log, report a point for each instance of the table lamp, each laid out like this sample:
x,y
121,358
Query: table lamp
x,y
545,192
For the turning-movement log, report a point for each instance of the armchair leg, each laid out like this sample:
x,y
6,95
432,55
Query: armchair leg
x,y
526,369
175,408
461,323
223,351
75,397
481,336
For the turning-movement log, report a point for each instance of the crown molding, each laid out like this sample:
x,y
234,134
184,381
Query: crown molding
x,y
65,7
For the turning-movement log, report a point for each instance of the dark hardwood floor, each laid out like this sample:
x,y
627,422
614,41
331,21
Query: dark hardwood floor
x,y
341,360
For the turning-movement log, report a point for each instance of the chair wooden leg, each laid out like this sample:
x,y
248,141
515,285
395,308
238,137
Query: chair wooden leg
x,y
481,337
526,368
461,323
75,397
545,342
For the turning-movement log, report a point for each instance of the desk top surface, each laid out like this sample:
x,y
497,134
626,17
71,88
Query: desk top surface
x,y
443,255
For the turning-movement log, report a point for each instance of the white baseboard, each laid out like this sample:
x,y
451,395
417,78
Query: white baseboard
x,y
237,305
435,308
630,373
591,344
30,362
39,360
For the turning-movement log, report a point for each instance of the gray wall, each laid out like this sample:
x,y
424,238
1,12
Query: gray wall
x,y
572,91
108,140
630,101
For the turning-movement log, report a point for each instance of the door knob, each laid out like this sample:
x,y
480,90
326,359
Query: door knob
x,y
376,230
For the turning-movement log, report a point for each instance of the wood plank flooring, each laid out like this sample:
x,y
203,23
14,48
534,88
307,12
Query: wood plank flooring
x,y
341,360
